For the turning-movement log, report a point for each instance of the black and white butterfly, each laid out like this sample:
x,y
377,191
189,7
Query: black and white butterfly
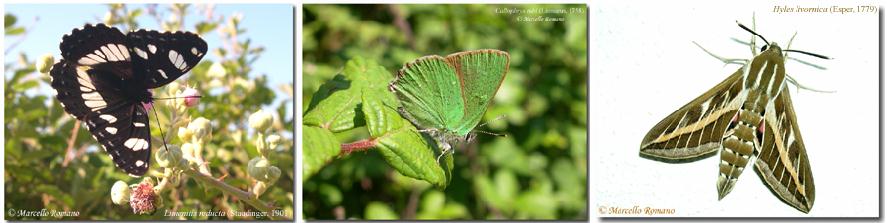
x,y
104,79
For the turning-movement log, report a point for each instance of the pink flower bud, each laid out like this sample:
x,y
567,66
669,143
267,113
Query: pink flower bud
x,y
148,106
192,97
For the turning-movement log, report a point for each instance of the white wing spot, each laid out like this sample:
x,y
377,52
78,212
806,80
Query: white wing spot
x,y
116,52
176,59
100,54
96,105
92,96
87,61
96,57
109,118
195,51
111,130
123,51
136,144
140,52
162,73
152,48
140,163
138,124
110,55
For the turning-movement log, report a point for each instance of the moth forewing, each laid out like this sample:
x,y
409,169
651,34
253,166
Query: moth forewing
x,y
694,131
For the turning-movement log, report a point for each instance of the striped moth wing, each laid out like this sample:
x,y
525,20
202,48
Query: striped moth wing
x,y
747,115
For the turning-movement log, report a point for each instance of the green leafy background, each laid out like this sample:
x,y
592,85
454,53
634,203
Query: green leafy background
x,y
37,175
537,172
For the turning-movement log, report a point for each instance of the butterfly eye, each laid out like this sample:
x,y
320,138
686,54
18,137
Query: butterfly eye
x,y
764,48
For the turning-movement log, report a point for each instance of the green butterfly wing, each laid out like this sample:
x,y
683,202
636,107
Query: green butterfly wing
x,y
429,92
480,72
450,93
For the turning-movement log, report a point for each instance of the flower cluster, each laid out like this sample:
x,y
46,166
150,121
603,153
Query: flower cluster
x,y
259,168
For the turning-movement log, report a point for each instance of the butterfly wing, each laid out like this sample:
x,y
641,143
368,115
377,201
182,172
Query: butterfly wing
x,y
782,162
480,74
160,58
119,125
429,93
99,47
124,134
88,82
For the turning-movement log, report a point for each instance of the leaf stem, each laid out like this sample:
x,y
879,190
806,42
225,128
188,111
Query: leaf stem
x,y
361,145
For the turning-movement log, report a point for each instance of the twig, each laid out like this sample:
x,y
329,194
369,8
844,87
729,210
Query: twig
x,y
401,22
410,210
233,191
69,152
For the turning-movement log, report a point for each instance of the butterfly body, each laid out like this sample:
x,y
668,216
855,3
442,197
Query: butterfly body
x,y
447,96
104,79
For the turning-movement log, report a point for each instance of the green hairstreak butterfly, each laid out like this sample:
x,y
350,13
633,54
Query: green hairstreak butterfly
x,y
447,96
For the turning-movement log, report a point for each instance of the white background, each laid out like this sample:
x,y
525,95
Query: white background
x,y
644,66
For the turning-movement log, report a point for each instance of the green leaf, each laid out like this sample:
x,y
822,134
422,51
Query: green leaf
x,y
400,143
379,211
205,27
25,85
135,13
335,105
319,147
9,20
15,31
336,112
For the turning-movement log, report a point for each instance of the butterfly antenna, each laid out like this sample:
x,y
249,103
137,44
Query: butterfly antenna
x,y
490,133
495,119
162,136
169,98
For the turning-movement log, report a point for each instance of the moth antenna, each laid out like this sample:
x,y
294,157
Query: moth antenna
x,y
753,32
809,54
162,136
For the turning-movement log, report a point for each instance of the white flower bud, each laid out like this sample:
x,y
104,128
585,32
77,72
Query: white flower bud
x,y
217,71
273,140
185,134
120,193
200,127
261,120
171,157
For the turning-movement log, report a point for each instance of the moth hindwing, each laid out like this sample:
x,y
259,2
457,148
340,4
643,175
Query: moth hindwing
x,y
749,115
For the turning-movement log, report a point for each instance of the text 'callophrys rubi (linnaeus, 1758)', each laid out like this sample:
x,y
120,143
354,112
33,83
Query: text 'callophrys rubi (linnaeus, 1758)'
x,y
447,96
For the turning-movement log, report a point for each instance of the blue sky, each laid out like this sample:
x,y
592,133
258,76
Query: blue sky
x,y
268,25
